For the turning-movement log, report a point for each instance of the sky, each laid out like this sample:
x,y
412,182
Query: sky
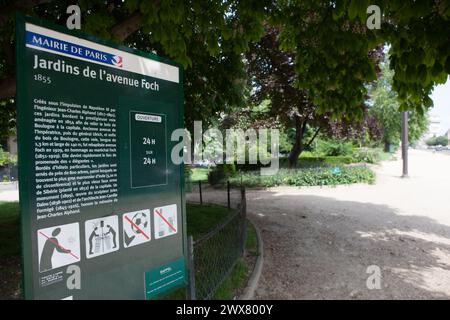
x,y
441,109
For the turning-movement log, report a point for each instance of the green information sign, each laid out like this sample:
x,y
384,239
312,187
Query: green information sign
x,y
101,201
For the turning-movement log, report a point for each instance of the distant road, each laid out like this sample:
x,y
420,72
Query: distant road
x,y
446,152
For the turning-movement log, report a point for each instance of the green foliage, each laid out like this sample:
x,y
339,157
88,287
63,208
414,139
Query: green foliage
x,y
199,174
7,118
333,53
419,50
307,177
308,160
6,158
334,148
386,109
332,45
326,160
221,172
437,141
206,37
369,155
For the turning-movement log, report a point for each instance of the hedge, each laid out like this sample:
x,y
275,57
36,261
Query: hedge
x,y
306,177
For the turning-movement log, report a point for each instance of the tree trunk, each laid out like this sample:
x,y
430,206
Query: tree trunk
x,y
300,128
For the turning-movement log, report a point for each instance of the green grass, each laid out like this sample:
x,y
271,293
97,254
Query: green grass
x,y
200,220
233,282
203,218
10,271
9,229
199,174
239,276
251,244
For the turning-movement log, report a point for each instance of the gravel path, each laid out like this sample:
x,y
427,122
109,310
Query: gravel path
x,y
319,242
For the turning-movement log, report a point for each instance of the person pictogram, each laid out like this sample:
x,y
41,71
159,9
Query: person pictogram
x,y
51,244
102,238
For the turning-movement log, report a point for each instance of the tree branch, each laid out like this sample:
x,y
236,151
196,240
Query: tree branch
x,y
130,25
312,139
126,27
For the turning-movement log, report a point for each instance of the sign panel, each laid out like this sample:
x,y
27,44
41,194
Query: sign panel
x,y
101,202
164,278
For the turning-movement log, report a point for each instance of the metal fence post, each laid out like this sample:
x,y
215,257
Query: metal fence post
x,y
243,209
191,269
200,191
228,194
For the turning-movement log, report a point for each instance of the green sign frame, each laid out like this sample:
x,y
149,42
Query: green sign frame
x,y
101,203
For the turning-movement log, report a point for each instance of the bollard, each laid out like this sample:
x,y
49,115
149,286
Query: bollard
x,y
200,191
243,209
228,195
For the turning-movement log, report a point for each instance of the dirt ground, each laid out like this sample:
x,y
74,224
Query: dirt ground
x,y
319,242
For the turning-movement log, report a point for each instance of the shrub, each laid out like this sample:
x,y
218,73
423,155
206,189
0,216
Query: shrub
x,y
437,141
220,173
335,148
309,161
368,155
307,177
6,158
325,161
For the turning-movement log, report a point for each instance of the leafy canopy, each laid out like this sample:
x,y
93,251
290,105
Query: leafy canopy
x,y
329,40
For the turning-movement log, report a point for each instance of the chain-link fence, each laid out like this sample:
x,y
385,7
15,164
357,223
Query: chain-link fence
x,y
214,255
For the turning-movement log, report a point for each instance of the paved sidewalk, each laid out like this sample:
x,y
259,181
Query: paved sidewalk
x,y
9,195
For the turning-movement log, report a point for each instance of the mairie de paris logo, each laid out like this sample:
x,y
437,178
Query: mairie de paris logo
x,y
117,61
